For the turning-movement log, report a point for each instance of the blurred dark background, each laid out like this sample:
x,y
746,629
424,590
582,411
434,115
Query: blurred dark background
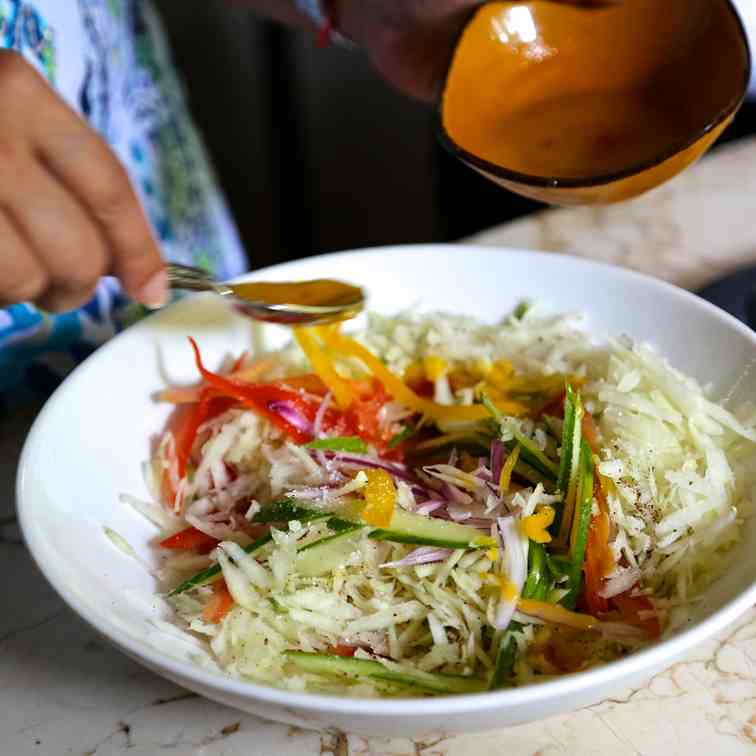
x,y
314,152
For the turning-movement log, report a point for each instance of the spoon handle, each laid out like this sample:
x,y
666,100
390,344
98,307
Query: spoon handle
x,y
191,279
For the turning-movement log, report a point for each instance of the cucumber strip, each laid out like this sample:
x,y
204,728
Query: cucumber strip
x,y
505,660
408,432
521,310
338,525
285,511
330,664
353,444
211,573
580,525
569,463
554,426
407,527
327,554
538,584
530,474
583,505
531,454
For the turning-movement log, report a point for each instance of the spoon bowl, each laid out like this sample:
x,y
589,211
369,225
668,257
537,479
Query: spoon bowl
x,y
296,303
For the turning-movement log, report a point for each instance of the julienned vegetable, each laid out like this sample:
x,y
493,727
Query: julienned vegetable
x,y
442,507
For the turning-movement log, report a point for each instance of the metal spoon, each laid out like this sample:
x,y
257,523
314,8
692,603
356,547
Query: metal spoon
x,y
290,303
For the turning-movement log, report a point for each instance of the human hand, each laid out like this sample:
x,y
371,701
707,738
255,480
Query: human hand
x,y
68,212
409,42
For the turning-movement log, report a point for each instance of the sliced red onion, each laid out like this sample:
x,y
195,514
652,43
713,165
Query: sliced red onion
x,y
514,565
291,415
620,583
359,460
493,488
420,491
497,459
312,492
456,496
458,514
453,457
429,506
423,555
482,471
474,522
318,422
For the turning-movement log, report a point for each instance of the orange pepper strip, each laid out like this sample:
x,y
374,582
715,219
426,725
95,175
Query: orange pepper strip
x,y
380,499
221,603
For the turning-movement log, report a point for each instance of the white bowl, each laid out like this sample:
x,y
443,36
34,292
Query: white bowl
x,y
89,442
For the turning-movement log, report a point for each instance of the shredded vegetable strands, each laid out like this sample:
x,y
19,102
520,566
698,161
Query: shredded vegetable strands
x,y
436,508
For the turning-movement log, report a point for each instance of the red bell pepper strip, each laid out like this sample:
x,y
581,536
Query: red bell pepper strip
x,y
258,397
210,405
342,650
189,539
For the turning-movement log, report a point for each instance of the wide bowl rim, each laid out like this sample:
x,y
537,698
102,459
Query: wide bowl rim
x,y
634,665
599,180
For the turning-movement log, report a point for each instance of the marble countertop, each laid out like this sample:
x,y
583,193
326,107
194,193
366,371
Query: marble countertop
x,y
65,691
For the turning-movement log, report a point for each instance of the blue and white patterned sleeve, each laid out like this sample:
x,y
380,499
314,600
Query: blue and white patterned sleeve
x,y
109,60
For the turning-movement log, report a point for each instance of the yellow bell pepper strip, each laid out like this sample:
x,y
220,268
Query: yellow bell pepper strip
x,y
536,526
347,347
380,498
435,368
321,364
505,479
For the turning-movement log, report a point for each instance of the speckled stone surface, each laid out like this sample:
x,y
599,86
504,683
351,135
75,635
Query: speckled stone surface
x,y
63,690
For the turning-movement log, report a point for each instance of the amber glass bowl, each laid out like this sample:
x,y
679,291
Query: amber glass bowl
x,y
576,107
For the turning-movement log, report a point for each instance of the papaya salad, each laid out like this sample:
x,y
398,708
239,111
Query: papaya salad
x,y
436,506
